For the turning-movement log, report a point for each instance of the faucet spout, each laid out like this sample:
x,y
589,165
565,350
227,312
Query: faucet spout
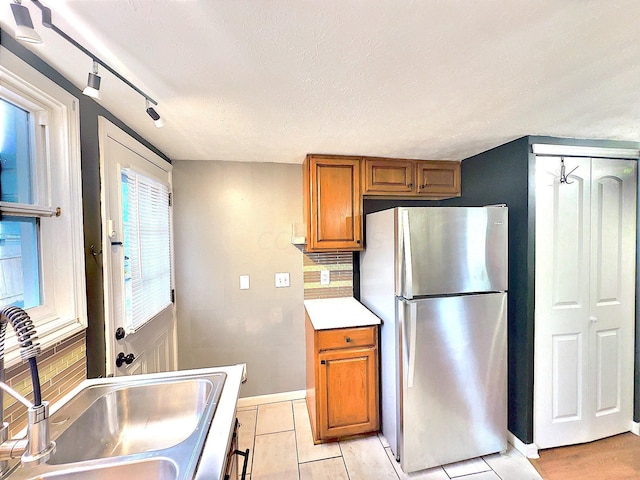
x,y
37,448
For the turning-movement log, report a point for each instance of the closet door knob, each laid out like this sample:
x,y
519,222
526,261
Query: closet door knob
x,y
593,319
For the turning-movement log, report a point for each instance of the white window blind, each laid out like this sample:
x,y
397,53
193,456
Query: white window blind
x,y
147,248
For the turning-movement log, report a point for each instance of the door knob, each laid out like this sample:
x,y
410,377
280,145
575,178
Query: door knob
x,y
593,319
122,358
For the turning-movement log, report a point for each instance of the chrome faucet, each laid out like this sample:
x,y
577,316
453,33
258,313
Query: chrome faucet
x,y
37,447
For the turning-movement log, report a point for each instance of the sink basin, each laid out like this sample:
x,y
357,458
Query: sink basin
x,y
134,419
158,469
144,426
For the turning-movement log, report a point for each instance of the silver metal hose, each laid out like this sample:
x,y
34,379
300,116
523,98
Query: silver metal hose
x,y
27,337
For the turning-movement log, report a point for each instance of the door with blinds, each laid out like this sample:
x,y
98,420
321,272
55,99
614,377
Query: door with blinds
x,y
584,299
140,325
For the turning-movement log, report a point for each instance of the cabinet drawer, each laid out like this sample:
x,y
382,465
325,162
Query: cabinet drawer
x,y
345,338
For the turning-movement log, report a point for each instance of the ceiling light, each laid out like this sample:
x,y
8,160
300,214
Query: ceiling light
x,y
155,116
93,83
24,25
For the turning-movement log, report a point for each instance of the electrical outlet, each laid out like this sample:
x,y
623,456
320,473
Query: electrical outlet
x,y
244,282
325,277
282,280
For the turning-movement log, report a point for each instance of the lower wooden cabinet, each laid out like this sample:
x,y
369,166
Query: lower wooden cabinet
x,y
342,381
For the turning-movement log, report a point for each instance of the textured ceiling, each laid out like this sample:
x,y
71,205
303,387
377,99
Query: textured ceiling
x,y
272,80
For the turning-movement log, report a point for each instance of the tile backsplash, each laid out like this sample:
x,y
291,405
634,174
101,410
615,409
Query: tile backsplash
x,y
340,267
61,368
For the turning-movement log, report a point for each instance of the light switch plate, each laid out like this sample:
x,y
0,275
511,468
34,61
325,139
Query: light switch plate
x,y
244,282
282,280
325,277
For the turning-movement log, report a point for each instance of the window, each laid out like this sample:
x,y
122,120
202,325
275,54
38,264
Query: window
x,y
41,254
147,247
19,259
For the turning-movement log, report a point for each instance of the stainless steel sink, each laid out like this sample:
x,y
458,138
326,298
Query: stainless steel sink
x,y
134,427
134,419
157,469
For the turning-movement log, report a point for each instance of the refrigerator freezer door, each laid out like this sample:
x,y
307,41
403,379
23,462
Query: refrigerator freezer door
x,y
453,372
451,250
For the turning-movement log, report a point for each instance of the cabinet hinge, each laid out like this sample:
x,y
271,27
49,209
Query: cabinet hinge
x,y
170,199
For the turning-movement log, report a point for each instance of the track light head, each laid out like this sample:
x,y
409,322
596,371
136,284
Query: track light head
x,y
24,26
93,83
155,116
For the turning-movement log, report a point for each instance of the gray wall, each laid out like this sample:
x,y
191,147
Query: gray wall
x,y
231,219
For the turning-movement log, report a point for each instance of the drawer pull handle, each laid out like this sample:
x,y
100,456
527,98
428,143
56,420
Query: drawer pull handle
x,y
348,339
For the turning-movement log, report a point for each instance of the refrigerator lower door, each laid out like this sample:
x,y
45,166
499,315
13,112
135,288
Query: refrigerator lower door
x,y
453,379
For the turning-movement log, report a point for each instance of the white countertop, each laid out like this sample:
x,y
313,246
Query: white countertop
x,y
347,312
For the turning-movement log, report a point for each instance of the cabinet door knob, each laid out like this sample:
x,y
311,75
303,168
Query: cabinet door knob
x,y
348,339
422,186
410,185
323,362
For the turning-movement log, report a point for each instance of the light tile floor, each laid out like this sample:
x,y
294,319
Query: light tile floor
x,y
279,438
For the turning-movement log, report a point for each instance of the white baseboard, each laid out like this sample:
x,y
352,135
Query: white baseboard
x,y
529,450
271,398
635,428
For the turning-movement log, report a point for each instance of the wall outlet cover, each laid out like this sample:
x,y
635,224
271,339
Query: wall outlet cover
x,y
244,282
282,280
325,277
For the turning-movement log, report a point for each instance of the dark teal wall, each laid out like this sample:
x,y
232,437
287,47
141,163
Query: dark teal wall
x,y
500,176
90,162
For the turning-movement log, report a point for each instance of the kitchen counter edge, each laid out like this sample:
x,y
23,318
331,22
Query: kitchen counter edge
x,y
344,312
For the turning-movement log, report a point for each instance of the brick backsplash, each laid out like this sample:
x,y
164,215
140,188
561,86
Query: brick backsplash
x,y
340,266
61,368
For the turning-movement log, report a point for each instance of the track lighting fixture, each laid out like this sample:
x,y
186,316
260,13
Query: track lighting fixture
x,y
24,26
155,116
93,83
26,33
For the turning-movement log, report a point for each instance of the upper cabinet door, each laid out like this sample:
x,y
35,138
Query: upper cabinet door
x,y
439,178
382,175
334,202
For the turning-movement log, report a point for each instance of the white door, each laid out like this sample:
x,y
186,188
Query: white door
x,y
584,299
148,346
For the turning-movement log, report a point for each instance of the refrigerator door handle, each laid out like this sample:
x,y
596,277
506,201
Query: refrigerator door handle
x,y
410,335
406,242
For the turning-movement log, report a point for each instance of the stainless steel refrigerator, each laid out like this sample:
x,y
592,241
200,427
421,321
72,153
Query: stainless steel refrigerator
x,y
437,277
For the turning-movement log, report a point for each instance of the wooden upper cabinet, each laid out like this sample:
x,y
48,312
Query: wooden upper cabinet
x,y
332,202
382,175
334,186
439,178
411,178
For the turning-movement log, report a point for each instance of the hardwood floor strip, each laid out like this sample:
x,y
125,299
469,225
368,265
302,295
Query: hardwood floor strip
x,y
613,458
